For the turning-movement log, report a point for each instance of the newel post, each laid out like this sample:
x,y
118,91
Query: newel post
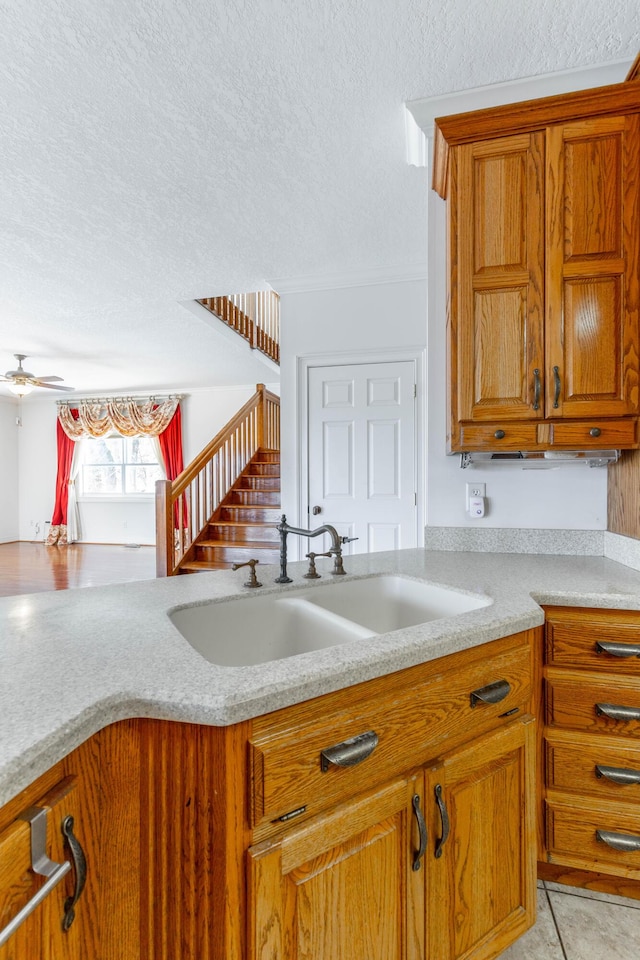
x,y
164,529
262,416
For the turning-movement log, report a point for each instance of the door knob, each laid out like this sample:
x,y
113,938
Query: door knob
x,y
316,510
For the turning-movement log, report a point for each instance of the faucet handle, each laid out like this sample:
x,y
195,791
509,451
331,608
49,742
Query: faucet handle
x,y
253,580
348,539
312,573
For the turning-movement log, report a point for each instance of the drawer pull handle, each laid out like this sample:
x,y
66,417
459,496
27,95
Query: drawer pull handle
x,y
350,752
492,693
444,818
422,831
36,817
617,712
595,432
615,649
499,434
622,775
626,842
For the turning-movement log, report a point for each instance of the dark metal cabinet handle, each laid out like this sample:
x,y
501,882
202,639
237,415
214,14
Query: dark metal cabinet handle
x,y
595,432
43,866
556,380
616,649
36,817
617,711
492,693
80,869
422,831
444,818
621,775
350,752
499,434
626,842
536,389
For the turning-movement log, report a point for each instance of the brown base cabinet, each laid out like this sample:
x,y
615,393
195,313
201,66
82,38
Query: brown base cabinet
x,y
590,749
440,862
282,838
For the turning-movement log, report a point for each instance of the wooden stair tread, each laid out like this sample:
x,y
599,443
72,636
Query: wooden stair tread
x,y
201,565
242,523
273,545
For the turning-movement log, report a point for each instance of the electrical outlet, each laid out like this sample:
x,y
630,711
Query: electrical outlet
x,y
475,490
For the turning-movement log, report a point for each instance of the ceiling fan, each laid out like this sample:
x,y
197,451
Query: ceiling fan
x,y
21,382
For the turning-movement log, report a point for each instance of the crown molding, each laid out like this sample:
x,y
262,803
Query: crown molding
x,y
351,278
420,114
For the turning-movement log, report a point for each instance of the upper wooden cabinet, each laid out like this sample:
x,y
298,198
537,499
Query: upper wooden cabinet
x,y
544,277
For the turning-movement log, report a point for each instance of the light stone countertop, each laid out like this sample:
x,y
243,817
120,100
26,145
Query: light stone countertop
x,y
72,662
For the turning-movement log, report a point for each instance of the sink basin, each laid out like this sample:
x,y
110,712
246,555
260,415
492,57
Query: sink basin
x,y
241,633
389,603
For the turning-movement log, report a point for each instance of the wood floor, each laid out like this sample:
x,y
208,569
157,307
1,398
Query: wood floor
x,y
34,567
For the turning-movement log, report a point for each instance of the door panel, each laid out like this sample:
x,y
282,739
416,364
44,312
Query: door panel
x,y
362,463
593,203
342,885
497,315
483,889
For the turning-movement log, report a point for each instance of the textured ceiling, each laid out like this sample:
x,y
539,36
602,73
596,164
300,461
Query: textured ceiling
x,y
163,150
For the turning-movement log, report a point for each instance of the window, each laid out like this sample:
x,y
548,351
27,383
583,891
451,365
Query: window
x,y
116,466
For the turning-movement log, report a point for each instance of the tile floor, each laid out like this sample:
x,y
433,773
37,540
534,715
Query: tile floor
x,y
576,924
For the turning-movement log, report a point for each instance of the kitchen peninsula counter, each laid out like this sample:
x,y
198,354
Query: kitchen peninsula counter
x,y
73,662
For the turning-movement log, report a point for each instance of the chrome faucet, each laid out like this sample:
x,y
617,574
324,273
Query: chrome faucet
x,y
336,546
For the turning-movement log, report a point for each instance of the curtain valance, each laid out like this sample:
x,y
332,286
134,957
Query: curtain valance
x,y
130,416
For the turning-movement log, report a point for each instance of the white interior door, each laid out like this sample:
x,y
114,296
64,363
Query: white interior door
x,y
362,453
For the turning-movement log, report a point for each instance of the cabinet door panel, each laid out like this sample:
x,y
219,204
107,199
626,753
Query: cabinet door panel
x,y
592,268
483,889
342,885
497,257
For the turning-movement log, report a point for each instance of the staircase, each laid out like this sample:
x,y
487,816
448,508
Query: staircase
x,y
244,526
224,507
254,316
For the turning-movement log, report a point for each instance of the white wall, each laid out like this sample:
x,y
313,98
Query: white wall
x,y
357,319
567,497
204,413
9,411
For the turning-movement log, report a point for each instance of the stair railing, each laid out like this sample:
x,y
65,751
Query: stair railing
x,y
185,505
255,316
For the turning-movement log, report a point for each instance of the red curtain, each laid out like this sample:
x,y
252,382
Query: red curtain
x,y
65,456
171,447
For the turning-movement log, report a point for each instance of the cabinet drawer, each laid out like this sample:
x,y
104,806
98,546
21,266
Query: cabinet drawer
x,y
583,701
607,640
599,766
411,712
573,831
594,434
499,436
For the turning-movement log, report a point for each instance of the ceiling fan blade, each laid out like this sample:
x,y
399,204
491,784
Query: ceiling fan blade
x,y
50,379
49,386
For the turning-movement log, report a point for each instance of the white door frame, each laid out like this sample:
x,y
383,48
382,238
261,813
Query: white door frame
x,y
418,355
